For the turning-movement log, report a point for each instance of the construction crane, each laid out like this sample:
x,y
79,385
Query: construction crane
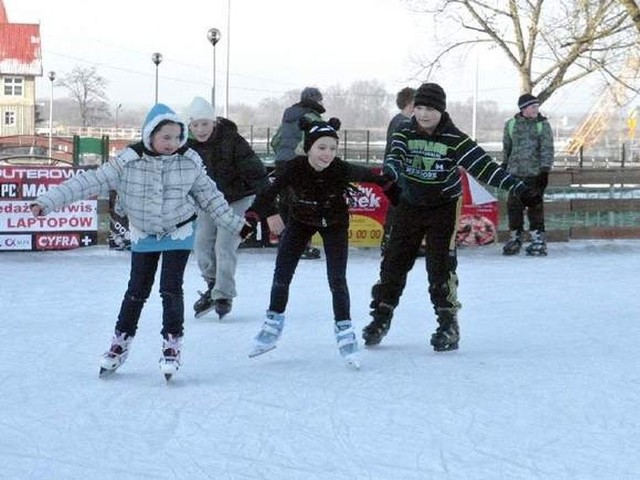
x,y
611,98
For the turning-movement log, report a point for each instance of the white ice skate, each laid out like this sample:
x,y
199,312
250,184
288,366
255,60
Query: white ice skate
x,y
170,360
347,343
269,335
116,355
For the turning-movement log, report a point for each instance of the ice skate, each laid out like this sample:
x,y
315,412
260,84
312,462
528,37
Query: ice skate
x,y
116,355
347,343
223,307
514,244
205,303
447,335
269,335
170,360
538,245
373,333
310,253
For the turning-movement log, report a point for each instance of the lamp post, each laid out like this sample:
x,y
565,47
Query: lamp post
x,y
156,58
226,100
213,35
52,77
118,107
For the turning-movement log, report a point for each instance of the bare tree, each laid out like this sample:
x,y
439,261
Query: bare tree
x,y
88,90
633,10
551,44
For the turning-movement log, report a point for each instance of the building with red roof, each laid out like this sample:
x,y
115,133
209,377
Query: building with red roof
x,y
20,64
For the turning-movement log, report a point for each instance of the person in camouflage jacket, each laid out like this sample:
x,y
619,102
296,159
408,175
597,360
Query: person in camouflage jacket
x,y
527,154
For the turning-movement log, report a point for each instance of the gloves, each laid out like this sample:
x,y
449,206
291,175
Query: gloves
x,y
542,180
250,227
530,196
390,188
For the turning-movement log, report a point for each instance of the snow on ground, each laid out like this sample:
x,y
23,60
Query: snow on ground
x,y
545,384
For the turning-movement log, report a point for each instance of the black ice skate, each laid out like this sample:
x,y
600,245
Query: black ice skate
x,y
513,246
447,335
373,333
538,245
223,307
205,303
310,253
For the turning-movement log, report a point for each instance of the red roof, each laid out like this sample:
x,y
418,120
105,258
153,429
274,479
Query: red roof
x,y
20,52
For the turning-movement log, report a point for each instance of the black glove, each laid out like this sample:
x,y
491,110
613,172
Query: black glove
x,y
542,180
530,196
393,194
250,227
390,188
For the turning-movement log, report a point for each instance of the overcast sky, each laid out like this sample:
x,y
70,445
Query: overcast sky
x,y
275,46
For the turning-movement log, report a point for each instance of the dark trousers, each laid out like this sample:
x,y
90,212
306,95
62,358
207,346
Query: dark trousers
x,y
516,210
437,226
292,243
143,271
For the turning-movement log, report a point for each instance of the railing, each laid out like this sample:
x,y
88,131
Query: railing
x,y
588,203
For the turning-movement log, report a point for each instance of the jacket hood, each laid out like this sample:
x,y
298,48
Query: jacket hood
x,y
296,111
157,114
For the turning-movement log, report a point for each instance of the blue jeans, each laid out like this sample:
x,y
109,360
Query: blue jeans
x,y
292,243
143,272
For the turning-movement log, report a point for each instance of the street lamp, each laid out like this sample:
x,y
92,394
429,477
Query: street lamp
x,y
118,107
156,58
52,77
213,35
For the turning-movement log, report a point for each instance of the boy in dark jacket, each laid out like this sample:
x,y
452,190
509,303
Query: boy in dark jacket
x,y
425,158
239,174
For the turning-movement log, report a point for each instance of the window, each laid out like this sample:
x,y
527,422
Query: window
x,y
13,86
9,118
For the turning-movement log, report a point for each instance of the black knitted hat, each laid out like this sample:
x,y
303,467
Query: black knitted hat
x,y
431,95
315,130
527,99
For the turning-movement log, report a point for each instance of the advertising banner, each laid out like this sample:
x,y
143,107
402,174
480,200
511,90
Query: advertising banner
x,y
70,227
479,219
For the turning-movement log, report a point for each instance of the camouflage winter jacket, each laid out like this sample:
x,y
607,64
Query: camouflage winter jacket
x,y
527,146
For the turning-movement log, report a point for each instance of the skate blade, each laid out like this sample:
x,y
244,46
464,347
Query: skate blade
x,y
447,348
353,363
105,373
202,313
257,351
168,376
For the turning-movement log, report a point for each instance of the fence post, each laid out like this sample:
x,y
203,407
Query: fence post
x,y
268,140
623,155
367,146
346,136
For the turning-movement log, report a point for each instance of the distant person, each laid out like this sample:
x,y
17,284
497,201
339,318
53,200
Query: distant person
x,y
239,174
287,145
425,160
160,182
320,184
528,155
404,101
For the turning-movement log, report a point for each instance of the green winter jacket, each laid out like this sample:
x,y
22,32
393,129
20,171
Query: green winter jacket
x,y
527,146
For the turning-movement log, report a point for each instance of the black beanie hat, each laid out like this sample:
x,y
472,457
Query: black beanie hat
x,y
315,130
527,99
431,95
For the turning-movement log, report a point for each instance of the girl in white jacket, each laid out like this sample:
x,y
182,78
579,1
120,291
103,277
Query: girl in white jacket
x,y
160,182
